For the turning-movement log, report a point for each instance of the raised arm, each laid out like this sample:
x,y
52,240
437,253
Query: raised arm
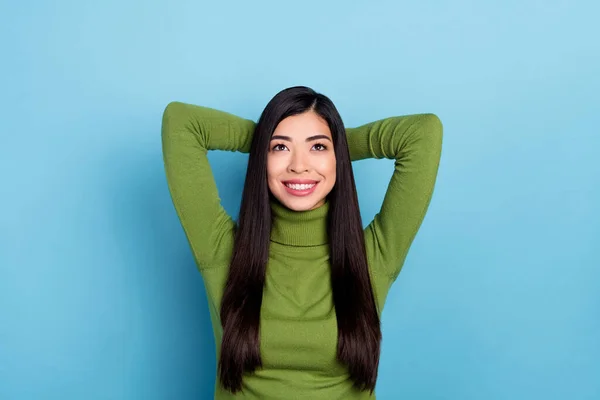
x,y
415,143
188,132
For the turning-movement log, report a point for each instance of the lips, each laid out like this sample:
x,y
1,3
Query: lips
x,y
300,187
300,181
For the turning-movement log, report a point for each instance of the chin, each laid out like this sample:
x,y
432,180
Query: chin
x,y
300,204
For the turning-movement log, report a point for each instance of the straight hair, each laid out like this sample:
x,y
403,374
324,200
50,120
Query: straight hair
x,y
359,330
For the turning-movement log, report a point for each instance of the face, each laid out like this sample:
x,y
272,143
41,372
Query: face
x,y
301,162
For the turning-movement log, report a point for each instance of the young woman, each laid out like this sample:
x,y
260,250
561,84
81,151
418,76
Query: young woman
x,y
296,287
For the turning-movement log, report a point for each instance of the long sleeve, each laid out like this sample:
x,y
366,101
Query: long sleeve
x,y
188,132
415,143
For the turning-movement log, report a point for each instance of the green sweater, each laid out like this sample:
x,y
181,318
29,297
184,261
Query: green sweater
x,y
298,327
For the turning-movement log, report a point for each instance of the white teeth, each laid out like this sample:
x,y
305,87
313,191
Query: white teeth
x,y
296,186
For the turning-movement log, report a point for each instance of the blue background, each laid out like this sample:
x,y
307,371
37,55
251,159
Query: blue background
x,y
500,295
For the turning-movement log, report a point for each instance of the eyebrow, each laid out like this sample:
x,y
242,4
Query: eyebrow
x,y
308,139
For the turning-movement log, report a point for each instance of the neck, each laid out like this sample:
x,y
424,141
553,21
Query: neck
x,y
299,228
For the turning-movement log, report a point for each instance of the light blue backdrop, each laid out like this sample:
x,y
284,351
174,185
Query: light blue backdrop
x,y
500,294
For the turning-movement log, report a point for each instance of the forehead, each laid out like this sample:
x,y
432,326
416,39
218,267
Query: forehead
x,y
303,125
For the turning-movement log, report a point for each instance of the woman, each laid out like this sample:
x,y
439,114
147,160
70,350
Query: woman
x,y
296,287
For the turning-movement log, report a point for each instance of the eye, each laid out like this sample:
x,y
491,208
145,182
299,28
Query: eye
x,y
320,147
279,147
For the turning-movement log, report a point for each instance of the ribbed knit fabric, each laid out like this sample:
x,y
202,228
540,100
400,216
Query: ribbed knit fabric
x,y
304,228
298,327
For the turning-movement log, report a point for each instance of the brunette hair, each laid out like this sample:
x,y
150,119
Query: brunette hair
x,y
359,331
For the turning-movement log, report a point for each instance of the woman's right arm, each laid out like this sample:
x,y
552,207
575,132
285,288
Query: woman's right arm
x,y
188,132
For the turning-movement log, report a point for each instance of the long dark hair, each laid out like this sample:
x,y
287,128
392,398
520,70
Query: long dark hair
x,y
359,331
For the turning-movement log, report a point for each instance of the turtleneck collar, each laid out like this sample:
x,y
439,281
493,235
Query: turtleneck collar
x,y
299,228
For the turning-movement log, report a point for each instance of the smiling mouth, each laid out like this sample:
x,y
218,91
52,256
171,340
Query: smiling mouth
x,y
300,186
300,189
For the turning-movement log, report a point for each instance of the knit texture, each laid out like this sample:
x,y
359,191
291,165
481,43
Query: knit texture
x,y
298,327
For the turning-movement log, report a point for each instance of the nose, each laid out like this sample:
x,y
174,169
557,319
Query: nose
x,y
298,162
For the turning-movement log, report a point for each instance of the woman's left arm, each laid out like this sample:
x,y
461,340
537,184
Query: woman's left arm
x,y
415,143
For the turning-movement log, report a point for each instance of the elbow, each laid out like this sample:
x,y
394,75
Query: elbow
x,y
172,110
432,128
170,117
174,107
432,123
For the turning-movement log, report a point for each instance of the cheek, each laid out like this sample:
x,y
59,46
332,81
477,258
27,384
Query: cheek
x,y
333,173
274,169
333,167
328,167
